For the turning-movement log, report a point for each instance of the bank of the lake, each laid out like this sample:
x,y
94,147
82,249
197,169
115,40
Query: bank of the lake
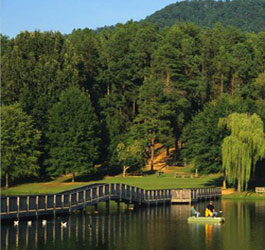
x,y
153,181
244,196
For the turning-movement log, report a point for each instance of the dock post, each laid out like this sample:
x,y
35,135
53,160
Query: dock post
x,y
98,193
91,194
62,201
70,202
46,202
37,205
121,192
77,198
109,185
18,198
84,198
54,204
27,203
7,204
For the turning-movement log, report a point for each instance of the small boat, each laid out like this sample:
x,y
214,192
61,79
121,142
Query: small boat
x,y
206,219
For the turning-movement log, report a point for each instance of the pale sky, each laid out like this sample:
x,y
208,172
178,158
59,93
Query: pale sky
x,y
66,15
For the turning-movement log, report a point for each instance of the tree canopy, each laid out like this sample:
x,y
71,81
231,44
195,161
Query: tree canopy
x,y
88,91
19,143
246,15
73,134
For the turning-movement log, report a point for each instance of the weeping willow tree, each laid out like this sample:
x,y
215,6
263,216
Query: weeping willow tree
x,y
243,148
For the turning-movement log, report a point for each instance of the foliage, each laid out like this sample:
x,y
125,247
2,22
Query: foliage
x,y
131,156
153,118
73,134
202,138
36,67
243,148
246,15
19,142
144,83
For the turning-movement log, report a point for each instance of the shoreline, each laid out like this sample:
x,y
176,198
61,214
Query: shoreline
x,y
244,196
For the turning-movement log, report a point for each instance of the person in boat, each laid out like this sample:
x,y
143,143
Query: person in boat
x,y
194,212
210,210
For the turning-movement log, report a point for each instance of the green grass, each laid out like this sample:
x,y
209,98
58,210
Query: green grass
x,y
244,196
165,181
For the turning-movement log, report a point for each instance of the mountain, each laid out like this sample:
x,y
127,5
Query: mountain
x,y
247,15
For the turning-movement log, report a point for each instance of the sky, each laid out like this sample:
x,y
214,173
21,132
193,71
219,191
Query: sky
x,y
66,15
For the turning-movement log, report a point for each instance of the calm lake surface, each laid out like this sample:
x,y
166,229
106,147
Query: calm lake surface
x,y
154,228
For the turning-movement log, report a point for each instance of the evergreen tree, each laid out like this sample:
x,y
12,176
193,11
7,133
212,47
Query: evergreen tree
x,y
73,134
153,121
202,138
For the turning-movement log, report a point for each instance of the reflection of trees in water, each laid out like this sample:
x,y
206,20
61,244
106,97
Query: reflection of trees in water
x,y
110,231
243,228
147,228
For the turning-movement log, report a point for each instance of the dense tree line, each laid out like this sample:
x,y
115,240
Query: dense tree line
x,y
246,15
93,98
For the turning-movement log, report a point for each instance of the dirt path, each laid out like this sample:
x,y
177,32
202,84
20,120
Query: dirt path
x,y
160,159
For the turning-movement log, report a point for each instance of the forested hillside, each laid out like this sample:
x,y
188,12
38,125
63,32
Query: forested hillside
x,y
70,102
247,15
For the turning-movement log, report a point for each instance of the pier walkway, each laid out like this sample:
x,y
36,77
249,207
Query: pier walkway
x,y
91,195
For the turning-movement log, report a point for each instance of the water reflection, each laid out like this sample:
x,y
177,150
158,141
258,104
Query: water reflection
x,y
162,227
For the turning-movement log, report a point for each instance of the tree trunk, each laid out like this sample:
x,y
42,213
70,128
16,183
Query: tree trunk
x,y
167,150
152,154
168,82
222,84
224,181
196,172
73,177
239,186
233,85
214,91
124,171
6,180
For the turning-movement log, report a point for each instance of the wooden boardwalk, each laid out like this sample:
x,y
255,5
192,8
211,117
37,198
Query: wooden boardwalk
x,y
77,199
189,195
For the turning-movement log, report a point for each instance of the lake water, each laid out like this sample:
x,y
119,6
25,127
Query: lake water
x,y
153,228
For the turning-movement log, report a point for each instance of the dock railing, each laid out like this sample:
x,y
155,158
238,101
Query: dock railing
x,y
188,195
79,198
68,201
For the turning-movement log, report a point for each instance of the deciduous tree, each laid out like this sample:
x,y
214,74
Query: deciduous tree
x,y
19,142
73,134
243,148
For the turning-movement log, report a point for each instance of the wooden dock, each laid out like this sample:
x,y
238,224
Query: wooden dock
x,y
91,195
190,195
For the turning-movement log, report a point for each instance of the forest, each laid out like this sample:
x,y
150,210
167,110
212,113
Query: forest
x,y
71,102
246,15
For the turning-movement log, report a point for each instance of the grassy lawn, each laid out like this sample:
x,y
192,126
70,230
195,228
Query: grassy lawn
x,y
166,181
152,181
244,196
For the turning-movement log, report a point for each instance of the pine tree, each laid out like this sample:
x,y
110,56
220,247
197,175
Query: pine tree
x,y
153,121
